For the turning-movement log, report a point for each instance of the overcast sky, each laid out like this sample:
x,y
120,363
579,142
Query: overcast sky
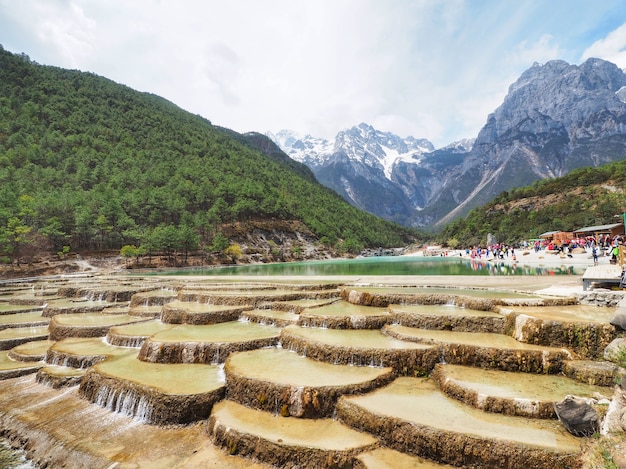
x,y
428,68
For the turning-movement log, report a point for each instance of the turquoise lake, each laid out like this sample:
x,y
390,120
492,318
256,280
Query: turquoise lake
x,y
398,265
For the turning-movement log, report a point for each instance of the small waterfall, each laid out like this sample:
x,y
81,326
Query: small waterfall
x,y
442,355
59,360
69,361
221,373
45,379
135,342
125,341
144,410
124,401
217,355
372,361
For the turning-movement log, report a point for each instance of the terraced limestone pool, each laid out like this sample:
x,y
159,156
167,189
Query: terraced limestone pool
x,y
201,373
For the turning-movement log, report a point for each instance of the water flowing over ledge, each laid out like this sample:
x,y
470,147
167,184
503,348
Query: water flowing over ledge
x,y
190,372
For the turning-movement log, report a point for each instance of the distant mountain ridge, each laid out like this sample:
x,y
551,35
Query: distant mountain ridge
x,y
361,143
556,117
363,165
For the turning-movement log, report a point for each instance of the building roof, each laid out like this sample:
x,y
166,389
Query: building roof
x,y
593,229
547,234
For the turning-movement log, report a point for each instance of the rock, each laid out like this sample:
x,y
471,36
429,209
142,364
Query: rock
x,y
619,460
577,416
619,318
616,348
598,373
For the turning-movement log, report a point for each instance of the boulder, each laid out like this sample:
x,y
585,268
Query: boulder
x,y
619,318
615,350
619,460
577,416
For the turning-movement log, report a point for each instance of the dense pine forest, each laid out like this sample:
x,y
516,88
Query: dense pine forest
x,y
584,197
88,164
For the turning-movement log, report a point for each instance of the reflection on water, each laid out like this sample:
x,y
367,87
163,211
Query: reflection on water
x,y
399,265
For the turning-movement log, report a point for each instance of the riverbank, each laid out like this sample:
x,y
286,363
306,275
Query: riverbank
x,y
548,284
532,258
527,270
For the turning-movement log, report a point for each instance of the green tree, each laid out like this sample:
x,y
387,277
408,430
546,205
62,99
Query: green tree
x,y
63,252
165,239
84,162
188,240
351,246
219,243
17,236
452,243
128,251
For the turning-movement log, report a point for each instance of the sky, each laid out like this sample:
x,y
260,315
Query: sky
x,y
430,69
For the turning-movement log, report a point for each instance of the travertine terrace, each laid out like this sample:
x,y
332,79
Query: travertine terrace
x,y
171,372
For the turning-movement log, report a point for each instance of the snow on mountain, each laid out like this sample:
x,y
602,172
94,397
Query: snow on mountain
x,y
362,143
305,149
463,145
556,117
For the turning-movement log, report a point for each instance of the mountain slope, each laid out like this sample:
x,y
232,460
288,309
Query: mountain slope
x,y
584,197
370,169
555,118
92,164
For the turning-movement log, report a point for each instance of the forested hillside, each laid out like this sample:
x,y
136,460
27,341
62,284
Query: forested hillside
x,y
88,164
585,197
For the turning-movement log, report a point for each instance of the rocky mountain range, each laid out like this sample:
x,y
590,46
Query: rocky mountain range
x,y
556,117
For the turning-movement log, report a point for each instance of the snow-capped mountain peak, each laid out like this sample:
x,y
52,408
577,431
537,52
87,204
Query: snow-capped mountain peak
x,y
362,143
305,149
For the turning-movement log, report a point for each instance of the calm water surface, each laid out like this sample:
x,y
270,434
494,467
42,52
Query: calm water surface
x,y
398,265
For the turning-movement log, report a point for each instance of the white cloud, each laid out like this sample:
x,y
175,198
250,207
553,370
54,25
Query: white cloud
x,y
425,68
611,48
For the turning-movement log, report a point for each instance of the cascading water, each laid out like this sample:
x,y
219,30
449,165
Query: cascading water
x,y
217,355
125,401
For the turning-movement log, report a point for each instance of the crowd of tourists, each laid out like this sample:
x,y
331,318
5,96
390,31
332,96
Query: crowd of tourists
x,y
587,243
494,251
602,245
